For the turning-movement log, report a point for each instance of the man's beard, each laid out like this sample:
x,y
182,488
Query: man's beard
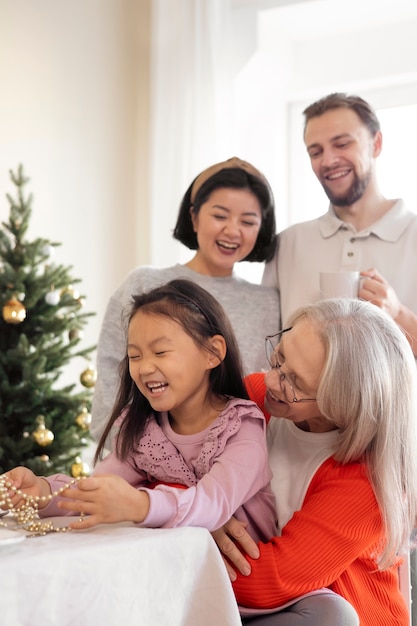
x,y
353,194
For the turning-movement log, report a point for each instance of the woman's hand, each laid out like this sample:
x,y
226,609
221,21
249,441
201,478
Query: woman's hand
x,y
24,480
233,540
105,499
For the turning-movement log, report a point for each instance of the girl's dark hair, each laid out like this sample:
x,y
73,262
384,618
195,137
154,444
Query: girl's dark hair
x,y
231,178
201,317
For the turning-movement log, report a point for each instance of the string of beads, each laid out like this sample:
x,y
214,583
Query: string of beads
x,y
26,515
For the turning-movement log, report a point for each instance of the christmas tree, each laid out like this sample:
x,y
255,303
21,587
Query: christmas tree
x,y
42,426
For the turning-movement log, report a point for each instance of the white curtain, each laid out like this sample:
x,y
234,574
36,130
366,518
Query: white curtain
x,y
191,104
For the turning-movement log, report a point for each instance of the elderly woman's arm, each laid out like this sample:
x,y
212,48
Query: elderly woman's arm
x,y
339,523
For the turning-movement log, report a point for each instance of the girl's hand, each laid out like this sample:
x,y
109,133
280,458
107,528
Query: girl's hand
x,y
105,499
28,483
233,540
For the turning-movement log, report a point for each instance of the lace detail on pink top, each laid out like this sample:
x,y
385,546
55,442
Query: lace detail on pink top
x,y
157,456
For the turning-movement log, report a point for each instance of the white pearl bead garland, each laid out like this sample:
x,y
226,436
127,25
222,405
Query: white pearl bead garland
x,y
26,515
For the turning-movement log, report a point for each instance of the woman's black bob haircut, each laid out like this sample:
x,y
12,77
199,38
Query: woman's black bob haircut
x,y
231,178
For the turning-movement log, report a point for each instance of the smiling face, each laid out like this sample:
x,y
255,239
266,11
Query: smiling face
x,y
301,355
227,227
167,366
342,153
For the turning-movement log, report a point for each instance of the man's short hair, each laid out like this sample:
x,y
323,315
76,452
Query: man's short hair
x,y
344,101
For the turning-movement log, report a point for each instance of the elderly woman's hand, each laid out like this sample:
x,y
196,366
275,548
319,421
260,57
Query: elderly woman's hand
x,y
233,540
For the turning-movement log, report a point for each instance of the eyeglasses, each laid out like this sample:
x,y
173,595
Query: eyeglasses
x,y
271,344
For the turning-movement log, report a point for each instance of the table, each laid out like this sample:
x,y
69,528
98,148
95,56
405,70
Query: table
x,y
116,575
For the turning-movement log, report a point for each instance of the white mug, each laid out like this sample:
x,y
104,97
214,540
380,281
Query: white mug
x,y
339,284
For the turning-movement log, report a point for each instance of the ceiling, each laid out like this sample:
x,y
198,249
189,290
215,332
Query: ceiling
x,y
302,19
262,4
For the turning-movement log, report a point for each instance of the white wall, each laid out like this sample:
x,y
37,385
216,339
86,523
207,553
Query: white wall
x,y
73,103
75,110
305,51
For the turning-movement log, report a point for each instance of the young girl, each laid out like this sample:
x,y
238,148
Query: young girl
x,y
182,418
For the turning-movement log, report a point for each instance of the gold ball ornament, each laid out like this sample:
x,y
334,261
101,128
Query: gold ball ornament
x,y
44,458
42,435
75,333
79,468
14,312
88,377
83,420
70,291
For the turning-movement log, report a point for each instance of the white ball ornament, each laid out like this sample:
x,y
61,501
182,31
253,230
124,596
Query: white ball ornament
x,y
52,297
48,250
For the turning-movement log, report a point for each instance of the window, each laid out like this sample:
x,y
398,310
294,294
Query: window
x,y
397,163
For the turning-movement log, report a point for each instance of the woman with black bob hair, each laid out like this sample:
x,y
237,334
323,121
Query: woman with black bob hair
x,y
226,216
235,176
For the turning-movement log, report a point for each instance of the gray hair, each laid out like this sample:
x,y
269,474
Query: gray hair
x,y
368,389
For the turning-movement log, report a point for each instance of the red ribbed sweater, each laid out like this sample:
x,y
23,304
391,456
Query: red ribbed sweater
x,y
328,543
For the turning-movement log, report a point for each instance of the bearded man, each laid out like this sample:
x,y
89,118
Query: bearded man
x,y
361,231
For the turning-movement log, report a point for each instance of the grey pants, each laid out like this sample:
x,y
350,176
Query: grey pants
x,y
321,610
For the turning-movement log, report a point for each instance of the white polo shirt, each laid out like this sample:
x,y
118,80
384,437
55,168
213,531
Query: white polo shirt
x,y
329,244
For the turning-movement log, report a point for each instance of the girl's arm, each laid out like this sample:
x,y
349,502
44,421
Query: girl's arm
x,y
236,475
240,472
104,499
125,470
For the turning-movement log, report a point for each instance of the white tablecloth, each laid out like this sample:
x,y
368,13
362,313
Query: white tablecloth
x,y
116,576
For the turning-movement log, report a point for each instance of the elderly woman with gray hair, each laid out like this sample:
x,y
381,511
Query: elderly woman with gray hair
x,y
342,390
